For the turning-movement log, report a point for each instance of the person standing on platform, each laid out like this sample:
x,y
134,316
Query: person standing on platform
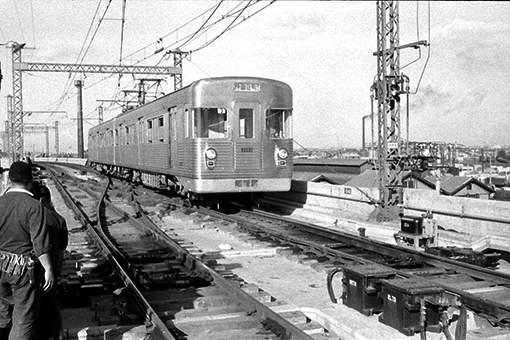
x,y
49,322
24,247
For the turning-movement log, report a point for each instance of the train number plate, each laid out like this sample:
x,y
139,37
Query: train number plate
x,y
246,87
246,183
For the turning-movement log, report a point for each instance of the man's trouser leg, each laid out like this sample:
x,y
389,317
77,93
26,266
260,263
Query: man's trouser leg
x,y
6,307
25,298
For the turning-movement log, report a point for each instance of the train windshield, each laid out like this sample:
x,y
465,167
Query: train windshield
x,y
210,123
278,123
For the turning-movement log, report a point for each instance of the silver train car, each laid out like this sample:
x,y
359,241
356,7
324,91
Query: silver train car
x,y
228,135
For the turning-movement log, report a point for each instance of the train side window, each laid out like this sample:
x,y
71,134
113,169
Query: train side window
x,y
128,135
278,123
210,122
117,137
186,123
140,135
246,123
149,131
161,132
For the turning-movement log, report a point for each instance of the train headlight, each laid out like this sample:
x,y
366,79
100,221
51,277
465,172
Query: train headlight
x,y
210,158
210,154
283,153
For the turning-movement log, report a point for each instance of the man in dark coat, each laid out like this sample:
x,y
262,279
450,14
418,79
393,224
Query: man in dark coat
x,y
24,246
49,322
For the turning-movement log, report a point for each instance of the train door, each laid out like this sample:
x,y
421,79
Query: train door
x,y
172,137
141,141
246,137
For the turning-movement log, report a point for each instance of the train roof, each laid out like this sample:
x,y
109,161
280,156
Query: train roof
x,y
197,83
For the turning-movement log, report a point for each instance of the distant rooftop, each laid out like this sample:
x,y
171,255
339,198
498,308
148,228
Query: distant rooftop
x,y
332,161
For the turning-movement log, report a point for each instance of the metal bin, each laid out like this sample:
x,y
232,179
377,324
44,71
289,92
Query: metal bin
x,y
361,286
402,301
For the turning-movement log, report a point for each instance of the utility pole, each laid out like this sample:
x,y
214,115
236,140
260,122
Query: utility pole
x,y
79,86
388,87
18,67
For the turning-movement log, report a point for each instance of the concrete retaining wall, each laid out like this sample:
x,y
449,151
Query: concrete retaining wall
x,y
485,223
343,201
467,215
79,161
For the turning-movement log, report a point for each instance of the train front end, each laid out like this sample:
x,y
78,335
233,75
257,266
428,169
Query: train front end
x,y
242,134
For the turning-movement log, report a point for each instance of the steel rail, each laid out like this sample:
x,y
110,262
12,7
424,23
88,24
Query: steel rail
x,y
276,323
271,320
117,258
496,309
107,247
392,250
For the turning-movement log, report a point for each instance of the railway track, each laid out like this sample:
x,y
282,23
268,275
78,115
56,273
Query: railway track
x,y
373,272
376,273
156,285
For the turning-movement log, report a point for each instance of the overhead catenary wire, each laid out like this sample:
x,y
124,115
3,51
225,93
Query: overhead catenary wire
x,y
204,27
428,53
224,31
66,93
32,21
236,13
170,33
19,20
201,27
83,53
231,26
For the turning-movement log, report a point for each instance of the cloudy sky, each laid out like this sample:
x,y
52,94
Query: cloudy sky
x,y
323,50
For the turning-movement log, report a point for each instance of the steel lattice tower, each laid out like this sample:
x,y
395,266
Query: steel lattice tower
x,y
387,89
390,83
18,67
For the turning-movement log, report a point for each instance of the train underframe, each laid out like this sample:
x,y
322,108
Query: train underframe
x,y
218,201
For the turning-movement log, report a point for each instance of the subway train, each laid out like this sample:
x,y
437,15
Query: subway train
x,y
211,140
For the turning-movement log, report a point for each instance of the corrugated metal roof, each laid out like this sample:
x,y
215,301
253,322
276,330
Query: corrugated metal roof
x,y
367,179
333,161
329,177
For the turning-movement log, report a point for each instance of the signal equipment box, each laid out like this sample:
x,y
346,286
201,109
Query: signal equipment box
x,y
403,299
411,225
417,231
362,285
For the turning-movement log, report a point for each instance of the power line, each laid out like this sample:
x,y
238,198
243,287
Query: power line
x,y
32,19
225,30
18,19
201,27
80,59
172,32
189,38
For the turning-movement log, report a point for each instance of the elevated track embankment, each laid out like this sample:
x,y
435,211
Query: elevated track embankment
x,y
463,222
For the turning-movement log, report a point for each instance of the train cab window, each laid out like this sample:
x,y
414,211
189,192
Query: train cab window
x,y
278,123
246,123
210,123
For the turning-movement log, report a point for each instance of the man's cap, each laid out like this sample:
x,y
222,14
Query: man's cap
x,y
20,172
